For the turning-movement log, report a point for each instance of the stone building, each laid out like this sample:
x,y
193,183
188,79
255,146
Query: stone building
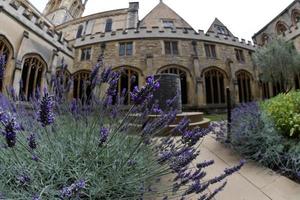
x,y
162,42
286,26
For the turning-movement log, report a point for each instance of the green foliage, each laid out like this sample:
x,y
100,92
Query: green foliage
x,y
67,157
284,109
279,61
255,136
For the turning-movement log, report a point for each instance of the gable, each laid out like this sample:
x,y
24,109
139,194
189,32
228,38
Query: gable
x,y
163,14
218,27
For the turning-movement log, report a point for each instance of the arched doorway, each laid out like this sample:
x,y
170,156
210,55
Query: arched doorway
x,y
183,80
244,84
32,74
5,50
129,79
82,86
214,86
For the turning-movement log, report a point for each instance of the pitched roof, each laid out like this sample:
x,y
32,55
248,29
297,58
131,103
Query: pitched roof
x,y
215,25
161,12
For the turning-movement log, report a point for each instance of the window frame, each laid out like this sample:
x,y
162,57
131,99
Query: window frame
x,y
168,23
239,55
124,49
173,47
83,56
108,25
210,51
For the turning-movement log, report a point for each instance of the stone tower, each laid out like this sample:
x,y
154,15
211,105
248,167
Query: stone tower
x,y
61,11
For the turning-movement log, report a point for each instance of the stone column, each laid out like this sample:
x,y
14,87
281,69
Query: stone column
x,y
199,93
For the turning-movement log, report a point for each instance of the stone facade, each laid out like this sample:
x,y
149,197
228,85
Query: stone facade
x,y
162,42
286,26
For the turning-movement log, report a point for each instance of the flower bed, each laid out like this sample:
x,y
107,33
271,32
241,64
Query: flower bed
x,y
86,149
267,132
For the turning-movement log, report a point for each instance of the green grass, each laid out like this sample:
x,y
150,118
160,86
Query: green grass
x,y
216,117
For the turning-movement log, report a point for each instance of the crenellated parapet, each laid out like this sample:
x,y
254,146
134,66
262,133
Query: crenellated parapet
x,y
31,18
169,33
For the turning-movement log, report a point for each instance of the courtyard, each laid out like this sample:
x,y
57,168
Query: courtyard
x,y
134,102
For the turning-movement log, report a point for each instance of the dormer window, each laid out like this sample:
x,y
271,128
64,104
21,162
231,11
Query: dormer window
x,y
168,23
222,30
108,25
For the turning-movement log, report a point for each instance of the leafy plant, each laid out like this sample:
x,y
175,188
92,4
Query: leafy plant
x,y
284,109
279,62
93,149
255,136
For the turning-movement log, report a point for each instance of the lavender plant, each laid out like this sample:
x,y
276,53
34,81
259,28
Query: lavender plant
x,y
255,136
97,150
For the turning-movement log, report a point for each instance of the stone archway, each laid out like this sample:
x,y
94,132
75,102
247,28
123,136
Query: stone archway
x,y
214,80
81,85
33,70
129,79
244,80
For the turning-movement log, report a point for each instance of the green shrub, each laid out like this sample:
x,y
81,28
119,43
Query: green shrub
x,y
284,109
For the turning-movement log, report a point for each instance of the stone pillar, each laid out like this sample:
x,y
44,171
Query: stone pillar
x,y
199,93
17,76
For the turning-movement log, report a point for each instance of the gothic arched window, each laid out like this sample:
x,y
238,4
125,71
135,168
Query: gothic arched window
x,y
183,81
82,86
214,86
281,28
244,83
265,39
129,79
295,17
265,90
32,75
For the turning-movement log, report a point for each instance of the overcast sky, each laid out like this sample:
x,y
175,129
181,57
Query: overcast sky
x,y
243,18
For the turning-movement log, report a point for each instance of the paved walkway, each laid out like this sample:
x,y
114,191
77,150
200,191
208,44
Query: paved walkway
x,y
253,182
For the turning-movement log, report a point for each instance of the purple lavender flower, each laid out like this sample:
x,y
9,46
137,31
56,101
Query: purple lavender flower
x,y
95,71
191,137
35,158
32,141
45,114
216,191
139,96
10,128
182,158
105,75
103,136
23,179
205,164
182,126
36,197
113,84
227,172
75,188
